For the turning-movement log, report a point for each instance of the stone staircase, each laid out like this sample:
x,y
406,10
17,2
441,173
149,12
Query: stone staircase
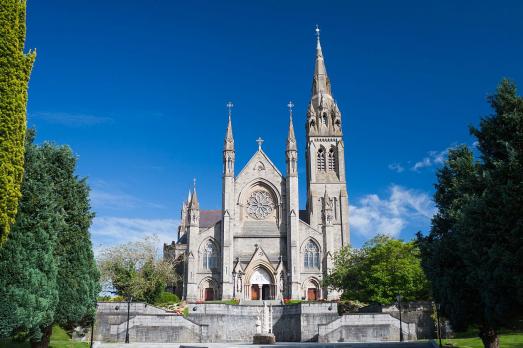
x,y
260,302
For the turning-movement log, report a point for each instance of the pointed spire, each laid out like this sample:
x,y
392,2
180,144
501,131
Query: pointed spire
x,y
194,198
321,83
228,143
291,139
189,197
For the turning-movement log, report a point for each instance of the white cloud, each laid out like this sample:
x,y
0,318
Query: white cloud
x,y
107,231
432,158
117,200
398,168
71,119
373,215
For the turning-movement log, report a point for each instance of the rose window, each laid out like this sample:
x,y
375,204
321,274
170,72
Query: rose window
x,y
260,205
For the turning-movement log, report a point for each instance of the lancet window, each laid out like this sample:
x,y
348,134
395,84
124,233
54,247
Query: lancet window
x,y
311,257
321,159
210,256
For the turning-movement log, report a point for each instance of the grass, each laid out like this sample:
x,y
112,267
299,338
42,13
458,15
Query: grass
x,y
59,339
506,340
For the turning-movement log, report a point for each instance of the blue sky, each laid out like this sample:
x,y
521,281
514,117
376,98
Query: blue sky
x,y
138,90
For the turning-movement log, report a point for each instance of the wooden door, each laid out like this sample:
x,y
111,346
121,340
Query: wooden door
x,y
209,294
312,294
255,292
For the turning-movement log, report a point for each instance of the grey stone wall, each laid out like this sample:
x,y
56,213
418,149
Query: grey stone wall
x,y
365,328
418,312
147,324
213,322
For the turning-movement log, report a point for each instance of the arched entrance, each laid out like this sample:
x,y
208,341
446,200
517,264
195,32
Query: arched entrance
x,y
261,285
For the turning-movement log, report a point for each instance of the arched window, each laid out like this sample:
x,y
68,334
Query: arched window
x,y
332,160
321,159
311,258
210,256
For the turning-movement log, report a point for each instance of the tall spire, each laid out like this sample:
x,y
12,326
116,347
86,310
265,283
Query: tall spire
x,y
291,139
229,139
321,83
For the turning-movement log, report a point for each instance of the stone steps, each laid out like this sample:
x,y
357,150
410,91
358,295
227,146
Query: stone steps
x,y
260,302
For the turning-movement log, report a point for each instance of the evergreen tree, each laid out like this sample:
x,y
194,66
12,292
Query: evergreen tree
x,y
15,69
474,252
77,272
49,252
28,287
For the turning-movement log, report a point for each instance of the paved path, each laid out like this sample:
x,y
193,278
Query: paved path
x,y
420,344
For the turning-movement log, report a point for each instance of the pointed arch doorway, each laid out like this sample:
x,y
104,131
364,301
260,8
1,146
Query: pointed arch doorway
x,y
261,285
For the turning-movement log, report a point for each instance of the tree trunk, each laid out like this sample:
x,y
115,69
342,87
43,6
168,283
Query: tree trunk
x,y
46,337
489,336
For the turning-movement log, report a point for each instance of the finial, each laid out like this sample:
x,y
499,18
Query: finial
x,y
194,183
260,142
290,106
230,105
318,32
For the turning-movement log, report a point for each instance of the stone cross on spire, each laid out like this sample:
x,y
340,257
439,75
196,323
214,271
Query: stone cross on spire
x,y
290,106
230,105
260,142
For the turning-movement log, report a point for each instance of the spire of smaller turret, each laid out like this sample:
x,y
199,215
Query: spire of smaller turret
x,y
189,197
194,198
228,143
291,139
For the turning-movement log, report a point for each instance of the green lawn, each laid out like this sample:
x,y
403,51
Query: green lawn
x,y
507,340
59,339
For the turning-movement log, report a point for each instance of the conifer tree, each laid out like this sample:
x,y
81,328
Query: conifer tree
x,y
77,272
15,69
50,275
28,286
474,252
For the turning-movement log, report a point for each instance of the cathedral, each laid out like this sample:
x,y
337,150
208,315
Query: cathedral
x,y
260,245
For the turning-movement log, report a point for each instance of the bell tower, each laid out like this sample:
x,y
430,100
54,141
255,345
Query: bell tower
x,y
325,157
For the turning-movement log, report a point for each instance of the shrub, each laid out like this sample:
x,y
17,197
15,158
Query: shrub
x,y
166,298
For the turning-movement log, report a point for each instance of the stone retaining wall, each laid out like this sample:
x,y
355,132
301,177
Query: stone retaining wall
x,y
365,328
212,322
147,324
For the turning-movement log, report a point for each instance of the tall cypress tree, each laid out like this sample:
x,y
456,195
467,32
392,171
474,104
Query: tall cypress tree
x,y
474,252
28,286
77,272
48,270
15,69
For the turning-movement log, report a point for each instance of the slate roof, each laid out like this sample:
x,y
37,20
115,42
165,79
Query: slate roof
x,y
209,218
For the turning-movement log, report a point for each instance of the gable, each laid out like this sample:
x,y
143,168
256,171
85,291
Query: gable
x,y
261,165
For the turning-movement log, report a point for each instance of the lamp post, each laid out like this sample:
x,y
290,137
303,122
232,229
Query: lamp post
x,y
438,306
401,326
92,326
129,299
233,284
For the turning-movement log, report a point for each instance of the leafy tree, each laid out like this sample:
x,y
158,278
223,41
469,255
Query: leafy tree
x,y
15,68
28,287
474,252
136,270
378,272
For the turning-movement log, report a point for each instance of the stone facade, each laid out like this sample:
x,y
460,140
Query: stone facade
x,y
260,245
